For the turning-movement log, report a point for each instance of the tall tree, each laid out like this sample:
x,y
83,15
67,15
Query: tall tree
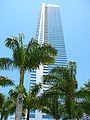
x,y
62,81
26,57
4,81
84,94
4,104
50,104
29,100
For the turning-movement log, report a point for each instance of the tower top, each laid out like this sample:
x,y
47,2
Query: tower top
x,y
50,5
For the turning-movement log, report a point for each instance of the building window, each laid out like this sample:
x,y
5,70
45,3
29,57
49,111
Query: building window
x,y
45,117
32,116
32,113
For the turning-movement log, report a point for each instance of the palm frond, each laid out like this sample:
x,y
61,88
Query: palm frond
x,y
85,106
12,43
36,89
47,54
36,55
72,67
47,48
33,44
11,106
5,81
32,59
18,57
1,100
18,52
50,79
6,63
50,104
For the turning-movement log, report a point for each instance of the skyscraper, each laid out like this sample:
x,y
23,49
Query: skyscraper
x,y
49,30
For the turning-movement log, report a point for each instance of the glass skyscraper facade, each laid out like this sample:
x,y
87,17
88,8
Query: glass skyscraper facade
x,y
49,30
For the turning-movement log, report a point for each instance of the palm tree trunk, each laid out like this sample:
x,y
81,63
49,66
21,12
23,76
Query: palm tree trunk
x,y
19,105
27,114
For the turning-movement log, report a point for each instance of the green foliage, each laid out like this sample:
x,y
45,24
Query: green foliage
x,y
31,55
1,101
62,82
4,102
50,104
29,99
27,57
84,94
5,81
6,63
4,107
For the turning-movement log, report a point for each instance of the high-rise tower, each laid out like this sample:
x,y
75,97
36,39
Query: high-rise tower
x,y
49,30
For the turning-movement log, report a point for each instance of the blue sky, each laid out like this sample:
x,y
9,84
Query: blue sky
x,y
21,16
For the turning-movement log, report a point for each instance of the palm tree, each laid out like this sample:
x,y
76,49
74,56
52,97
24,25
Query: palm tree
x,y
12,99
3,107
84,94
62,81
29,100
4,81
50,104
26,58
